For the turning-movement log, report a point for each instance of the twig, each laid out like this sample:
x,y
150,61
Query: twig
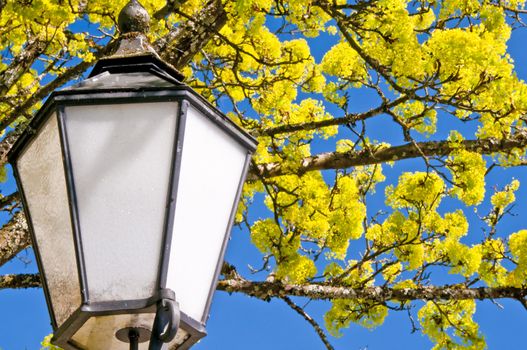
x,y
311,321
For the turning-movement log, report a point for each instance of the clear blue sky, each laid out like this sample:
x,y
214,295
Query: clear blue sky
x,y
238,322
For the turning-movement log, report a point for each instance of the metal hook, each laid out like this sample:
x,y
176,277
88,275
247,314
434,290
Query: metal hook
x,y
166,324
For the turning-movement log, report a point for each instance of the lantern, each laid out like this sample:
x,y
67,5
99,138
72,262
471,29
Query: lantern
x,y
130,183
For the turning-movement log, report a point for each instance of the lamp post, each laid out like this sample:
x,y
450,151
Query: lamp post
x,y
130,182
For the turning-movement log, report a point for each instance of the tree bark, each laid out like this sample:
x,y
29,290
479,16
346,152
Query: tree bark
x,y
336,160
182,43
266,290
6,144
20,281
14,237
21,63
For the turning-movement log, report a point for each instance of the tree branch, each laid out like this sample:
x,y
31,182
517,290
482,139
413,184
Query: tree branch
x,y
170,7
20,281
44,91
336,160
265,290
21,63
7,143
311,321
9,199
14,237
183,42
350,118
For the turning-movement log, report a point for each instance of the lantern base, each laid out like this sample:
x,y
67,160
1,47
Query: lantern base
x,y
123,335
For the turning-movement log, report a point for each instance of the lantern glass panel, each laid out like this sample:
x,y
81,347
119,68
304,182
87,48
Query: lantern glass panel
x,y
211,170
121,157
41,173
99,332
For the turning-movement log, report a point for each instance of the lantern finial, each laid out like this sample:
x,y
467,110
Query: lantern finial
x,y
133,18
133,23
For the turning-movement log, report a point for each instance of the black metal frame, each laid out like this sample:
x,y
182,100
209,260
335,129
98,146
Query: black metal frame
x,y
177,153
184,96
72,198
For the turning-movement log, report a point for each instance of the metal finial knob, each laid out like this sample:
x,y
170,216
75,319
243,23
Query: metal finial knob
x,y
133,18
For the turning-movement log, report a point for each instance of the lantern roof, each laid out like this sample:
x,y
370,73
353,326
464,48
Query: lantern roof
x,y
144,71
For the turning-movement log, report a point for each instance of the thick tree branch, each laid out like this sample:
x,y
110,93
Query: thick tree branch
x,y
19,281
182,43
7,143
266,290
336,160
14,237
21,63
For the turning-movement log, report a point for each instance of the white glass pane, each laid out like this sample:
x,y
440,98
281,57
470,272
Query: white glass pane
x,y
98,333
121,156
42,174
211,169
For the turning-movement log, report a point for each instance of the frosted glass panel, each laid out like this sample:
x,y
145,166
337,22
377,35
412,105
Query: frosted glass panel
x,y
212,165
42,175
98,333
121,156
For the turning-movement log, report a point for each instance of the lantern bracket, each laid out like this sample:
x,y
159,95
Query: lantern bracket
x,y
166,322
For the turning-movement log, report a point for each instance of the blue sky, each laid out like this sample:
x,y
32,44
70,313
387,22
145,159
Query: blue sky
x,y
241,322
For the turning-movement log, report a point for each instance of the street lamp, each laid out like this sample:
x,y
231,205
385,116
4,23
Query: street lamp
x,y
130,182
